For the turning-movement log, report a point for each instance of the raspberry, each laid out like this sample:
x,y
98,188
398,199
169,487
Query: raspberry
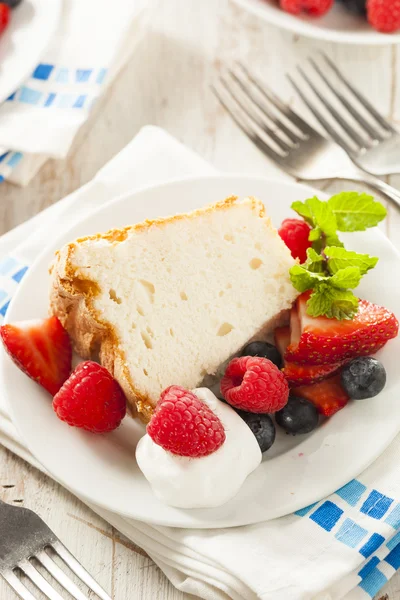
x,y
184,425
4,16
91,399
254,384
295,232
315,8
384,15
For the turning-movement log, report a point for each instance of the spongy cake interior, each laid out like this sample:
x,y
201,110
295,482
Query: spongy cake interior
x,y
185,294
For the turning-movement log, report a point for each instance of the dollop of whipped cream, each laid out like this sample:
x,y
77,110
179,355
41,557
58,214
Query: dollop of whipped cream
x,y
208,481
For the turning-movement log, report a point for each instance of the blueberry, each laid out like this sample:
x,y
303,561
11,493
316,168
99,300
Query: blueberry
x,y
12,3
298,416
262,426
363,378
356,6
265,350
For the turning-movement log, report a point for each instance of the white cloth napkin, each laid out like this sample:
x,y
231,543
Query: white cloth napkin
x,y
40,120
346,546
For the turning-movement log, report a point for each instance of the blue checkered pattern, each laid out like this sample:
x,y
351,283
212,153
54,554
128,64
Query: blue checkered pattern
x,y
382,556
11,274
85,84
46,89
8,162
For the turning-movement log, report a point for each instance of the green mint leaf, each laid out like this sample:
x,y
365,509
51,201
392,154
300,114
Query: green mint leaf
x,y
304,280
333,240
315,234
303,211
322,215
313,256
349,277
332,303
355,211
339,258
315,262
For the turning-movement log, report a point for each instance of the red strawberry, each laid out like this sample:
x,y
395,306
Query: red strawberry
x,y
301,374
308,374
41,349
323,341
295,232
184,425
91,399
4,16
328,396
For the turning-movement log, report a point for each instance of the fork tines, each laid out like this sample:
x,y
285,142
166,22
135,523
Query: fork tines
x,y
345,114
29,568
272,125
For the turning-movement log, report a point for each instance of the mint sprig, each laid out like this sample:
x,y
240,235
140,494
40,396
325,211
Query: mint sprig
x,y
331,271
332,303
339,258
356,212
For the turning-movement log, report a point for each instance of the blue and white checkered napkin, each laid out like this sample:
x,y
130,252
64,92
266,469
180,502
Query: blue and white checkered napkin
x,y
346,546
42,117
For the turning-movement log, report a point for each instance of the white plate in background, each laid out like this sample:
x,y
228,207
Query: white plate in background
x,y
338,25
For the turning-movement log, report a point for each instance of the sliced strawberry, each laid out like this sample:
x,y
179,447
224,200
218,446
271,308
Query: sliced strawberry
x,y
41,349
325,341
328,396
301,374
308,374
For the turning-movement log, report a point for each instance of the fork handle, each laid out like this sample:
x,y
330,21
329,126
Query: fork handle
x,y
377,184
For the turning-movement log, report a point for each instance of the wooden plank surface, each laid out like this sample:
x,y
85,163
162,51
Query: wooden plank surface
x,y
167,83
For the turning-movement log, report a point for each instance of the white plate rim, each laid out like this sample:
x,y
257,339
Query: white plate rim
x,y
308,29
186,520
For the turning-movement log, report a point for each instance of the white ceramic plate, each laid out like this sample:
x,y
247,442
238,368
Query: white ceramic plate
x,y
22,44
339,25
296,472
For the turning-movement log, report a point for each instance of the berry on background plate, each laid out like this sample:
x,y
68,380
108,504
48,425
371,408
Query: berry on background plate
x,y
315,8
363,377
184,425
328,396
254,384
319,340
384,15
91,399
5,14
299,416
41,349
265,350
358,7
12,3
262,426
295,232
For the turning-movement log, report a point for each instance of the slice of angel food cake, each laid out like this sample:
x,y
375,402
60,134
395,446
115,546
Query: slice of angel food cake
x,y
169,301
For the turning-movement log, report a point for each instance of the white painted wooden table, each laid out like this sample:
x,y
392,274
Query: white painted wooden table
x,y
166,83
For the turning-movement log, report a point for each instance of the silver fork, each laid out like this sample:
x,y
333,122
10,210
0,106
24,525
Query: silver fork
x,y
26,542
368,138
284,136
